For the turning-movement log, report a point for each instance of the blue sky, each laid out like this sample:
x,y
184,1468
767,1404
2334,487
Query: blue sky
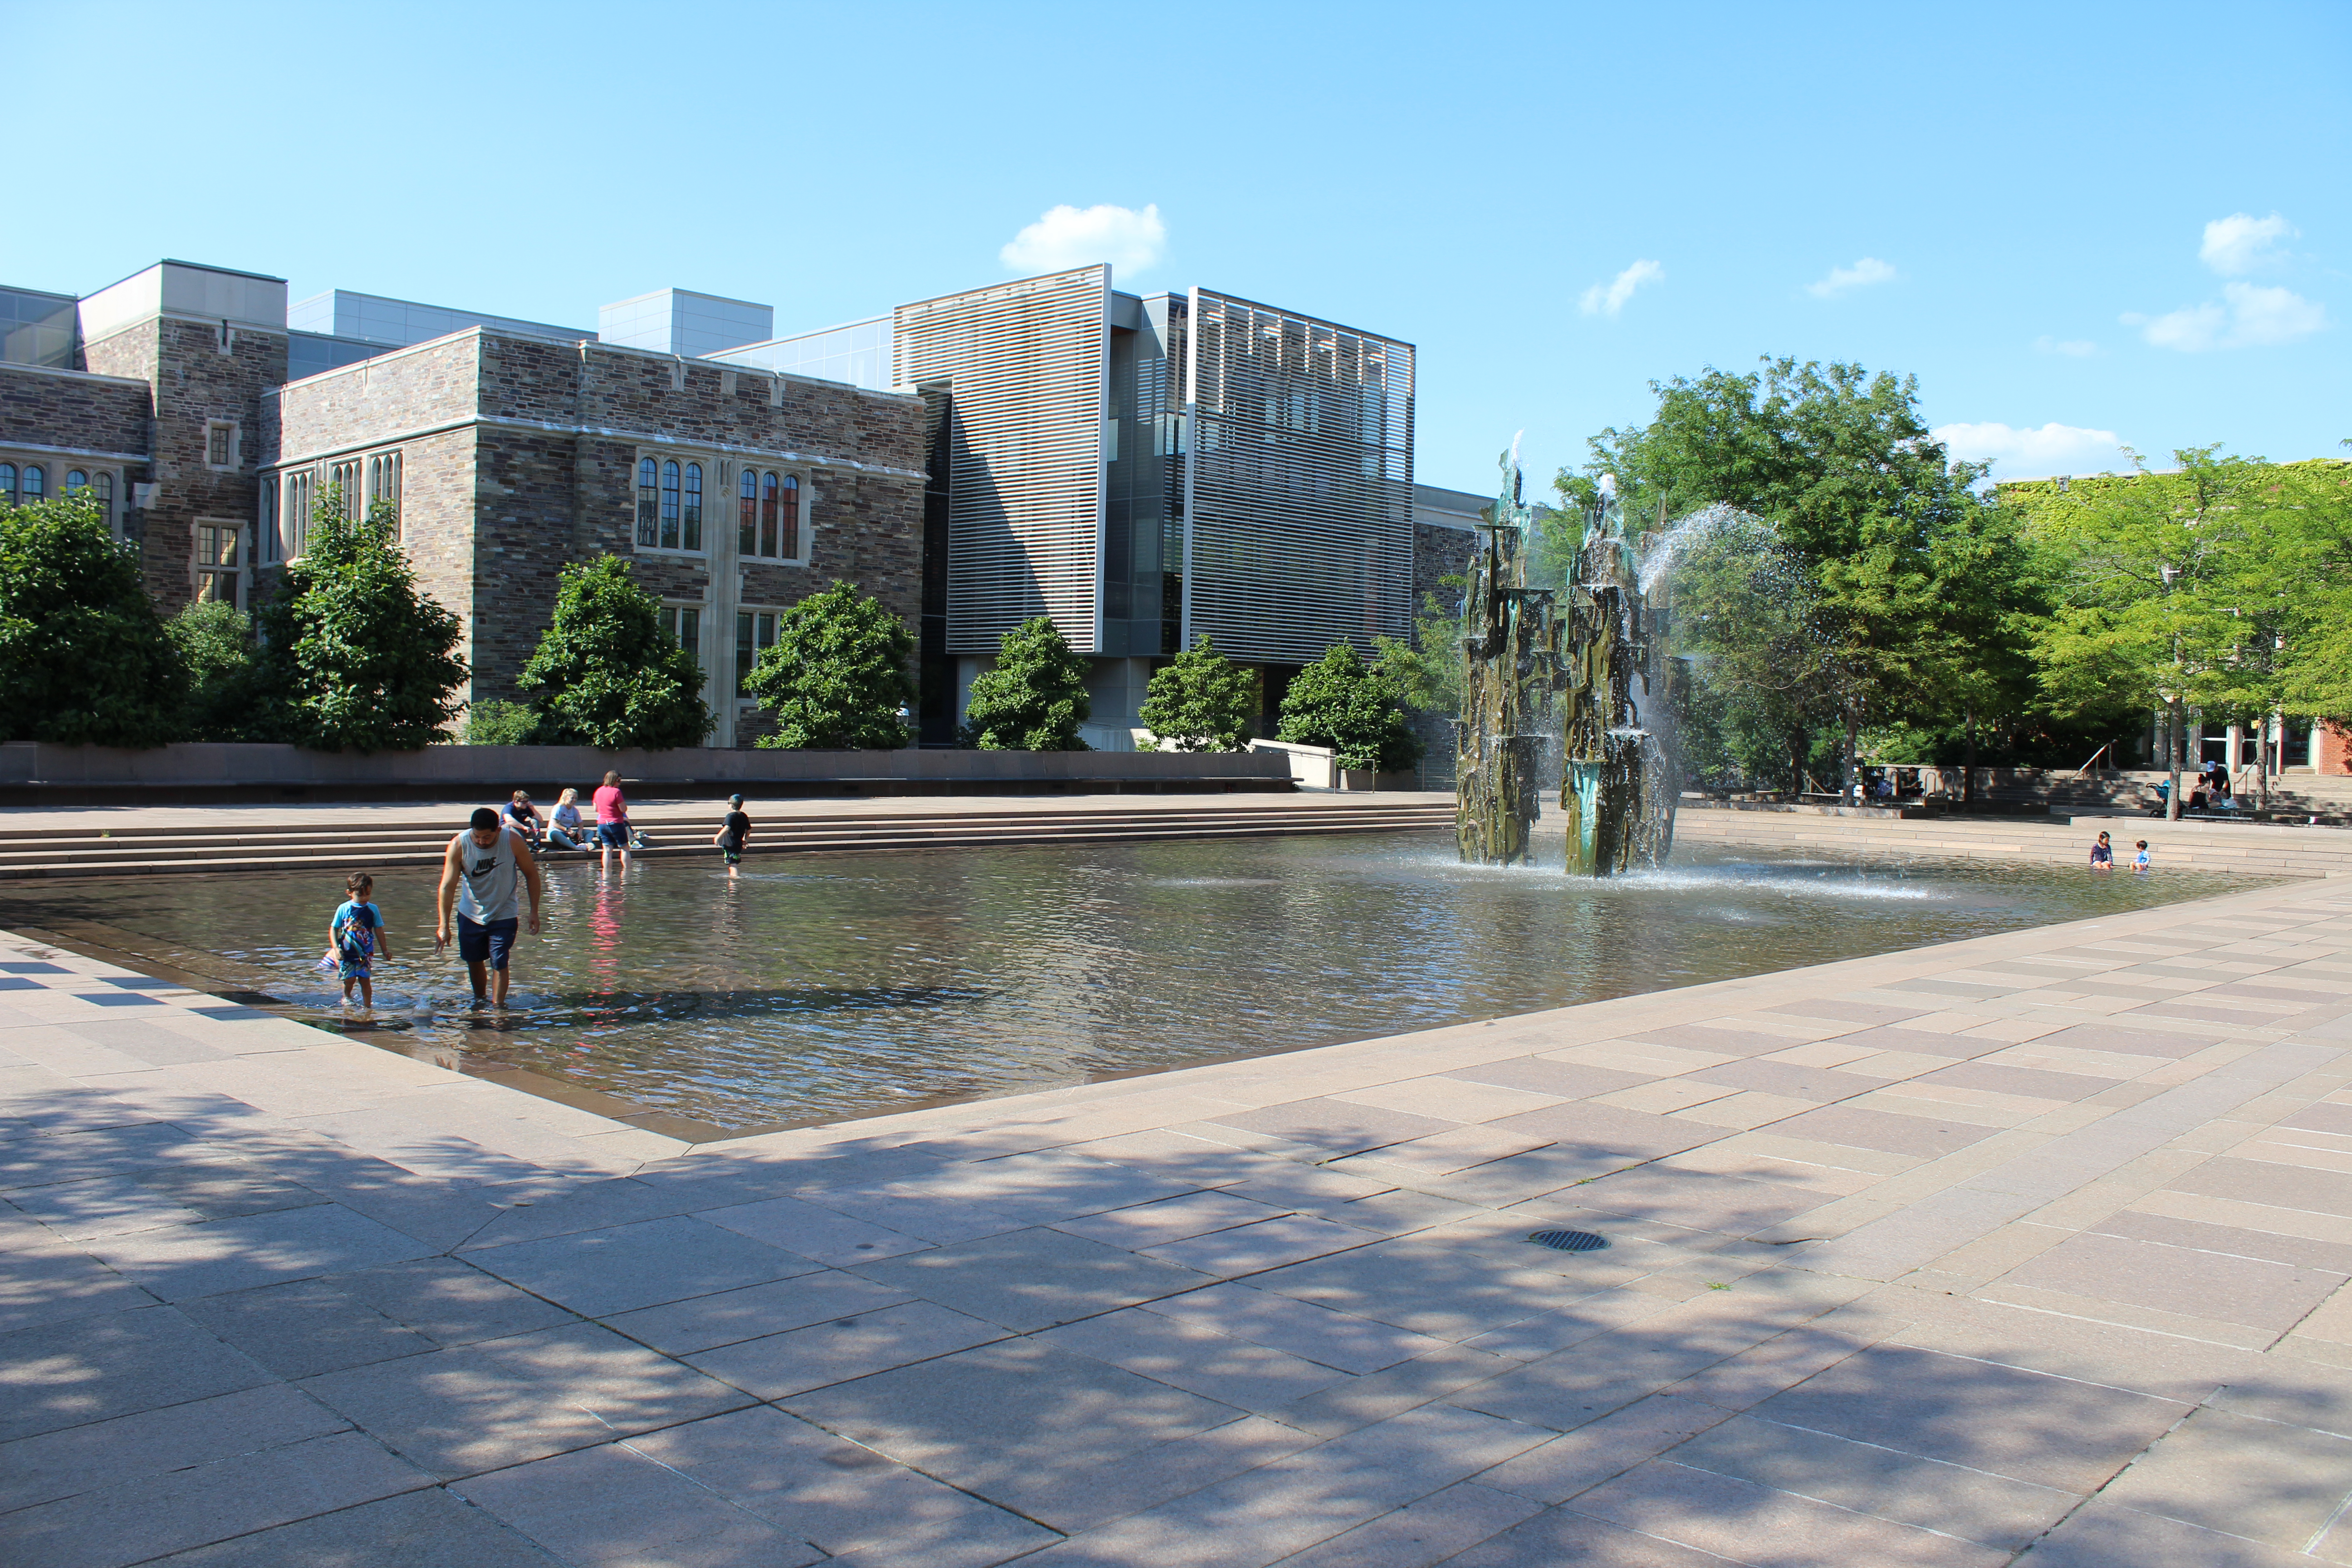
x,y
2076,225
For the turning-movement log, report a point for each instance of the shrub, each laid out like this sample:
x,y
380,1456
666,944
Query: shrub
x,y
494,723
1341,702
1202,701
354,655
225,698
606,674
84,658
1035,697
836,678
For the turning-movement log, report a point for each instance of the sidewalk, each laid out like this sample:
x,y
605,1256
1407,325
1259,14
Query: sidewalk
x,y
2033,1244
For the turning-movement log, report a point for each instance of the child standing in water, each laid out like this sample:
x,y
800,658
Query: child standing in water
x,y
734,833
356,935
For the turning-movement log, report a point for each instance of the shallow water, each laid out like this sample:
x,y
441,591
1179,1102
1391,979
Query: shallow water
x,y
841,984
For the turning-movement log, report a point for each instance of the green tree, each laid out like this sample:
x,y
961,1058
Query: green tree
x,y
836,678
1035,697
1342,702
84,658
354,656
2165,593
2311,508
1842,465
605,674
225,700
1201,702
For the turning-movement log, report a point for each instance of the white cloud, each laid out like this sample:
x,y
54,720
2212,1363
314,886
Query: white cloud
x,y
1608,298
2053,449
2237,244
1861,275
1068,237
2246,316
2072,348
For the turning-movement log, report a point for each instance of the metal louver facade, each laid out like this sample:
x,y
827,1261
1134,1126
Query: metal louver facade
x,y
1024,368
1298,496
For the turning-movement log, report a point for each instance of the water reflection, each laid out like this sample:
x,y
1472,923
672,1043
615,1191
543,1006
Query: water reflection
x,y
827,987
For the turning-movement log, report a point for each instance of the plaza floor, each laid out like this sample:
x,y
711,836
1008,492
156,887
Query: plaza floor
x,y
2031,1247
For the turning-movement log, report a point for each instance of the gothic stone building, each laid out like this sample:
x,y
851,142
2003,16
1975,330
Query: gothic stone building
x,y
504,449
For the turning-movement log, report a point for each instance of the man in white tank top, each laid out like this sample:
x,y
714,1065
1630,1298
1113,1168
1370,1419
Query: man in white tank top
x,y
485,869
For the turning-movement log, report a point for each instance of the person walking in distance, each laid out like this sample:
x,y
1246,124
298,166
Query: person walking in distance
x,y
485,867
612,820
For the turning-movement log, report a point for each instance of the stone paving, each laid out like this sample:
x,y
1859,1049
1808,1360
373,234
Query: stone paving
x,y
2031,1247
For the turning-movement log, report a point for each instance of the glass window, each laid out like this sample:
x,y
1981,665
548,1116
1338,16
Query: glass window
x,y
347,476
682,624
670,507
768,515
302,497
788,543
8,484
217,563
746,514
76,480
104,489
693,507
220,444
754,630
647,506
265,529
37,484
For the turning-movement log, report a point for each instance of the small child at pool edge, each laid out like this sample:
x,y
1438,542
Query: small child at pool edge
x,y
734,833
355,936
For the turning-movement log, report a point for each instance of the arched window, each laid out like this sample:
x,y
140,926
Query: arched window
x,y
747,513
670,507
788,537
692,539
36,483
76,480
647,506
8,484
266,542
105,490
768,515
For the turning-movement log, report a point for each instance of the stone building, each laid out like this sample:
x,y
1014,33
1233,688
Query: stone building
x,y
209,428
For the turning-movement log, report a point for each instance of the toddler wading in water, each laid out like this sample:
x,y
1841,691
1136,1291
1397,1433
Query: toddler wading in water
x,y
733,834
355,936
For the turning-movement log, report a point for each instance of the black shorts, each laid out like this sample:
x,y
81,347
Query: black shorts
x,y
613,835
478,942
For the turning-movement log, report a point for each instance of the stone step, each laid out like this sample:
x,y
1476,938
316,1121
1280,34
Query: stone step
x,y
863,837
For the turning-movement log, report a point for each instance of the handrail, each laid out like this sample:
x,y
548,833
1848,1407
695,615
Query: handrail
x,y
2094,757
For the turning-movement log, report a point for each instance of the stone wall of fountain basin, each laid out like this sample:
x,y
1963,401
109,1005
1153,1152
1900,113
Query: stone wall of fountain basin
x,y
34,773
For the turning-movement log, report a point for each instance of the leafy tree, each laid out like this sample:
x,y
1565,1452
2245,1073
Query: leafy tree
x,y
491,722
836,678
1843,466
2311,508
2165,593
1342,702
606,674
1201,701
1035,697
354,655
83,657
226,700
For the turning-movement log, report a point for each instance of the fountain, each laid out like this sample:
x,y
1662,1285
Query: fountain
x,y
1578,672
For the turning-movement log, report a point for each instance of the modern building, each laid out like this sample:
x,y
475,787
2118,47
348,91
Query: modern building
x,y
1147,471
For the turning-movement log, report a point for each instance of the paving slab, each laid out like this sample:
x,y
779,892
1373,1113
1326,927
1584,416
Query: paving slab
x,y
2021,1248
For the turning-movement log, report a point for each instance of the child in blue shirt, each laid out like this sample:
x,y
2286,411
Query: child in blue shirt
x,y
355,936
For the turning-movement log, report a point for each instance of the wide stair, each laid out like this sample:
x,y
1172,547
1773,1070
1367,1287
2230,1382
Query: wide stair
x,y
2325,796
125,852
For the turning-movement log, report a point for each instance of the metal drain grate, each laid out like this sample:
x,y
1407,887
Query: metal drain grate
x,y
1568,1240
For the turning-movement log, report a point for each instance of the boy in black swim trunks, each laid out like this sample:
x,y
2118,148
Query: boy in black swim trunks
x,y
734,833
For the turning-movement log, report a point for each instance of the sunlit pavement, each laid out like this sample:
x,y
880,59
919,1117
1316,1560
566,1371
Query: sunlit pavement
x,y
2032,1243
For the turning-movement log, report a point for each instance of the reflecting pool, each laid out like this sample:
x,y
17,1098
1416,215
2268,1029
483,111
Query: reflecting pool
x,y
836,985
